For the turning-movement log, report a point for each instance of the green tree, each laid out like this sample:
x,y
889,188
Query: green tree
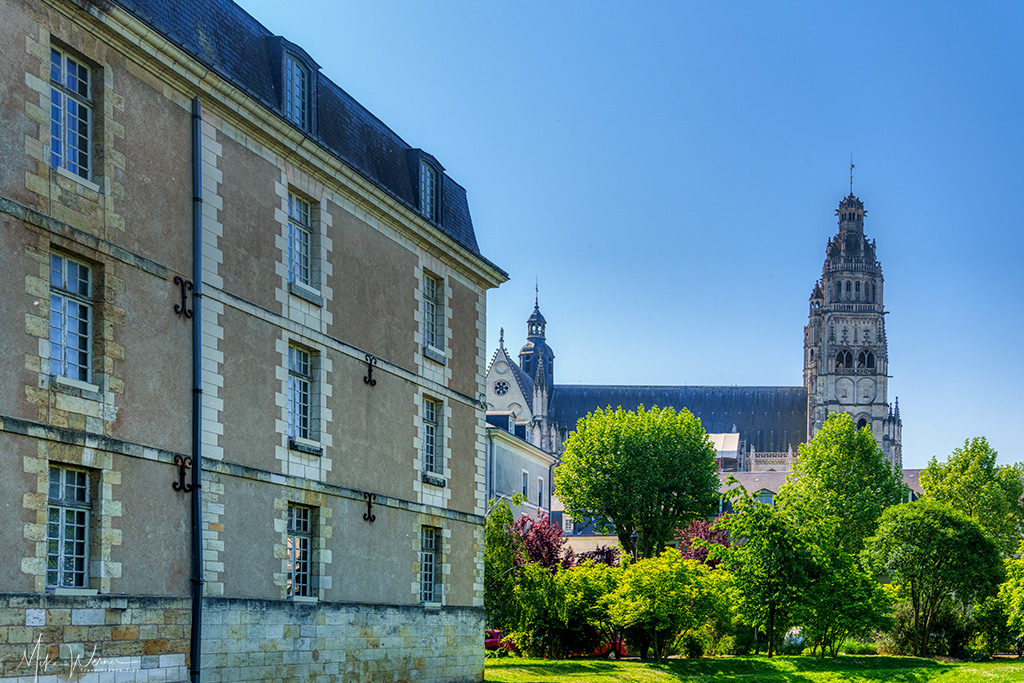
x,y
587,589
971,482
840,487
771,564
841,601
660,596
538,626
991,624
1011,594
500,548
641,474
844,476
933,552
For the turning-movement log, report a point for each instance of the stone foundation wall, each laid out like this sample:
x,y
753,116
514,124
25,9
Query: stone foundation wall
x,y
129,639
45,638
280,640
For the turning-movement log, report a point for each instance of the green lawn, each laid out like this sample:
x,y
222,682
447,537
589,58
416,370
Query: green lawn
x,y
748,669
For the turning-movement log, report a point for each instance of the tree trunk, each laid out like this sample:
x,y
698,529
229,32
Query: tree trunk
x,y
771,629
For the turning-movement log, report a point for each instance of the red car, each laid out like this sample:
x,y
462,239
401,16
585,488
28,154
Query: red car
x,y
613,649
493,640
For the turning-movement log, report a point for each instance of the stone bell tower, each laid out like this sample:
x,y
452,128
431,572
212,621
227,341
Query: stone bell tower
x,y
846,358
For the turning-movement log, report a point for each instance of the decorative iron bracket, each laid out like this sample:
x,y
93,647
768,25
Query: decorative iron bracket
x,y
183,465
368,516
371,360
186,287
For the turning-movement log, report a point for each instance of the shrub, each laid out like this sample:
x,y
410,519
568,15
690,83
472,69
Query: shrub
x,y
852,646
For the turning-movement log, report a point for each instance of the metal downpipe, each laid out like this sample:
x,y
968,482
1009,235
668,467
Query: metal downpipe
x,y
195,645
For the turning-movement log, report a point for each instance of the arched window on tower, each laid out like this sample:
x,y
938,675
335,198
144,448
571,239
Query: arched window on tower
x,y
866,360
839,290
847,286
862,423
857,288
844,360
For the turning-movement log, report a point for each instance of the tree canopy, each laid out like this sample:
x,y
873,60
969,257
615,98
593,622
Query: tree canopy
x,y
841,476
660,596
771,563
641,474
971,482
932,551
500,550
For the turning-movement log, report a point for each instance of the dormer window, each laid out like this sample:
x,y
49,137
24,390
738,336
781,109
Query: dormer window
x,y
428,191
296,92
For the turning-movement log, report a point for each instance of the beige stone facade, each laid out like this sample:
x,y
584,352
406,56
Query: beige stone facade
x,y
353,375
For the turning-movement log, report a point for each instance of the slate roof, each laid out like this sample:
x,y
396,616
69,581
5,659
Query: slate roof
x,y
771,419
525,383
223,36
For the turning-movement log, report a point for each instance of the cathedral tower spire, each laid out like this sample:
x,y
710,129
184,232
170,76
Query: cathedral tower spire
x,y
846,355
536,352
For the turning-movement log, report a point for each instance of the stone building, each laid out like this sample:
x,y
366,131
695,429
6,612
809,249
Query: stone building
x,y
221,270
754,428
846,356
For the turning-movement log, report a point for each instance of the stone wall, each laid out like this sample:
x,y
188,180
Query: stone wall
x,y
93,639
45,638
280,640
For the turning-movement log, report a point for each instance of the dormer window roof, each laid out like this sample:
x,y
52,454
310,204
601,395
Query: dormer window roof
x,y
296,92
428,191
428,182
295,73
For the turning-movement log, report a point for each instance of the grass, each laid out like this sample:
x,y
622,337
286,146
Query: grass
x,y
846,669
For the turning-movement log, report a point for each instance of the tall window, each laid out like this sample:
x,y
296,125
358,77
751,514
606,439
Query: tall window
x,y
67,533
540,492
428,191
433,436
300,240
70,114
433,311
300,548
300,393
70,318
526,484
430,589
296,92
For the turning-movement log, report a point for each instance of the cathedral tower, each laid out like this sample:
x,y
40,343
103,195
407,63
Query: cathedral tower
x,y
538,363
846,357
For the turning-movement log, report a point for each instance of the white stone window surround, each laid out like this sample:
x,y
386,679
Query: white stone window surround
x,y
68,527
305,457
71,320
434,318
299,547
303,298
432,487
301,248
432,436
304,400
526,485
431,588
71,115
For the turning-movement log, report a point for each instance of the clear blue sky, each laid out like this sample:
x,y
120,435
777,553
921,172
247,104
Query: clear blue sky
x,y
669,172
